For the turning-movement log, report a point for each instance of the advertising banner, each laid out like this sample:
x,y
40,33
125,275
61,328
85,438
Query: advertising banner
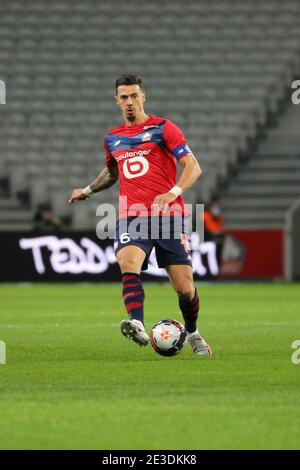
x,y
253,254
81,256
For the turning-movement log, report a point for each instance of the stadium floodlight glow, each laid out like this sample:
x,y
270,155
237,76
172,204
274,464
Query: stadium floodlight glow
x,y
2,92
2,353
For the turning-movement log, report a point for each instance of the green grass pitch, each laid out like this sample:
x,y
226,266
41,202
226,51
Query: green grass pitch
x,y
73,382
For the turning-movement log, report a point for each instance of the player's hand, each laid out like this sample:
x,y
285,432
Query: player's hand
x,y
161,203
77,195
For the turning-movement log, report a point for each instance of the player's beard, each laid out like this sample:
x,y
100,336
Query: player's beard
x,y
131,115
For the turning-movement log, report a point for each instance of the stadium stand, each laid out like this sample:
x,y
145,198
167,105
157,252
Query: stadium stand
x,y
217,71
268,183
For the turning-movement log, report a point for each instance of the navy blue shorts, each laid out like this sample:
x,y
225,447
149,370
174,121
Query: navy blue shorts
x,y
168,235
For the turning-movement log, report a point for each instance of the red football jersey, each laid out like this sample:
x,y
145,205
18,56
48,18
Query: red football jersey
x,y
146,156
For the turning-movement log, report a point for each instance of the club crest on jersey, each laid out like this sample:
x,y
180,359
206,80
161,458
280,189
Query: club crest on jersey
x,y
146,137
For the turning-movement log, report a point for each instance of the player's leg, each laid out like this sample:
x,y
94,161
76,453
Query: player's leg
x,y
181,278
130,260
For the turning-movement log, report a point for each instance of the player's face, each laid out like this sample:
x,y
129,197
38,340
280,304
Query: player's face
x,y
130,99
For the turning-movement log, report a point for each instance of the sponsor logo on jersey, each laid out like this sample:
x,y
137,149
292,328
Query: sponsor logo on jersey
x,y
135,153
117,143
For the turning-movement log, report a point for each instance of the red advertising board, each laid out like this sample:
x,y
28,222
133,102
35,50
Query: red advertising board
x,y
253,254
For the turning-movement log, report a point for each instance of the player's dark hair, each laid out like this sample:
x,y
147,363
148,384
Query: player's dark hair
x,y
128,79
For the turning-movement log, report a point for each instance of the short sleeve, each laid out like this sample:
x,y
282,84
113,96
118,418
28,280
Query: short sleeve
x,y
175,140
109,159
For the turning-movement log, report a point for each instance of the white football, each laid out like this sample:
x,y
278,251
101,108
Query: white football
x,y
167,337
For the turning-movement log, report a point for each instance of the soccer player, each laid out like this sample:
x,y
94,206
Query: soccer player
x,y
142,153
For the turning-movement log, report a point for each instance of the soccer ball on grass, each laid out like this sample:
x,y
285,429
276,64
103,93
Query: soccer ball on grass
x,y
167,337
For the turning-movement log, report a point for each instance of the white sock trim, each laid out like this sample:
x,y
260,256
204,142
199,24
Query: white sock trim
x,y
195,333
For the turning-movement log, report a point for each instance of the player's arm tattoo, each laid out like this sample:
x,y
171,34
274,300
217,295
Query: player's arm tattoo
x,y
106,179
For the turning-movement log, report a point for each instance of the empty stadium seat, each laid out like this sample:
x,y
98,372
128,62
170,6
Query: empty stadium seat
x,y
215,68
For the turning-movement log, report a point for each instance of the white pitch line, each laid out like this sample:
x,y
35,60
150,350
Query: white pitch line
x,y
63,325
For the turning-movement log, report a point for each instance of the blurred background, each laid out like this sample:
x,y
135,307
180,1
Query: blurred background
x,y
221,71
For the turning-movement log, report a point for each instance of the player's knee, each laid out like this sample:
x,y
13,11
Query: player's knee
x,y
186,291
127,264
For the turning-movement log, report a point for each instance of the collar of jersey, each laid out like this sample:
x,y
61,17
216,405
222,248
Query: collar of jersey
x,y
142,124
